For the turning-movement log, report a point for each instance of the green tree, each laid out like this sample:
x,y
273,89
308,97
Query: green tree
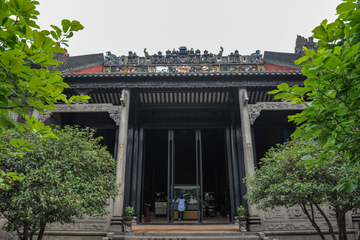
x,y
68,176
331,91
283,181
26,83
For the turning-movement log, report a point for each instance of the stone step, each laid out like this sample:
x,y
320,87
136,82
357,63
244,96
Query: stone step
x,y
221,235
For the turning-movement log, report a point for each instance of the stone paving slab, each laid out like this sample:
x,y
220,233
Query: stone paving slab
x,y
227,227
187,238
187,232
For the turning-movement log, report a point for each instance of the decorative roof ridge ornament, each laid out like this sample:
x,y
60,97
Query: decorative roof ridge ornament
x,y
184,60
221,51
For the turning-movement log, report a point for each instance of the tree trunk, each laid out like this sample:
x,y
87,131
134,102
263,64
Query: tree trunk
x,y
331,230
343,225
41,232
26,233
341,220
312,220
338,220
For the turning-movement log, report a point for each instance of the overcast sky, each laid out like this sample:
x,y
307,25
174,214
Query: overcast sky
x,y
121,26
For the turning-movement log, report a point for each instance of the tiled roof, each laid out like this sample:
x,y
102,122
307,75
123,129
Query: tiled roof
x,y
282,59
152,74
81,62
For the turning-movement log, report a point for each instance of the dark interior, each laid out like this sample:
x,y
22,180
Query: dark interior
x,y
274,127
105,126
213,165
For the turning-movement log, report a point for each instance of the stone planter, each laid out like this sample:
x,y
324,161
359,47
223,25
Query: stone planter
x,y
242,223
127,223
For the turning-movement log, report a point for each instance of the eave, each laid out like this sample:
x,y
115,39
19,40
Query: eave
x,y
183,80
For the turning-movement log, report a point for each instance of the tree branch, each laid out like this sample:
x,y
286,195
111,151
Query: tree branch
x,y
331,230
16,227
303,207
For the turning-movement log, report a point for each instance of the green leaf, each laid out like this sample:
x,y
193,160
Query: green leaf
x,y
350,186
324,23
76,26
19,143
346,6
298,133
54,35
350,55
57,29
281,95
38,39
65,25
337,50
309,52
70,35
307,157
342,111
6,123
37,82
284,87
319,32
301,60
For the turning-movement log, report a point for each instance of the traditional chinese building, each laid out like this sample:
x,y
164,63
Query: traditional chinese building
x,y
184,122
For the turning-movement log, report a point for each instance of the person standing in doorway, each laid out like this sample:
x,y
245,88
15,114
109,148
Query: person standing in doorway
x,y
181,207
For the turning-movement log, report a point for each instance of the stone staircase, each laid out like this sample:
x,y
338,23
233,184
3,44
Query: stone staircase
x,y
190,235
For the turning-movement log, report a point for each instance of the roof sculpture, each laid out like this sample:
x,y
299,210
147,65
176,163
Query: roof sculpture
x,y
304,42
184,61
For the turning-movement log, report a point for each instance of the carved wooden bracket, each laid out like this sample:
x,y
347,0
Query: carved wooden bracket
x,y
123,97
245,98
114,111
255,109
82,91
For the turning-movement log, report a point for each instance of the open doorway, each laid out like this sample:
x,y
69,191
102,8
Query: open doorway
x,y
189,162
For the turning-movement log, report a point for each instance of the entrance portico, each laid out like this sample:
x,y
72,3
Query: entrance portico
x,y
180,103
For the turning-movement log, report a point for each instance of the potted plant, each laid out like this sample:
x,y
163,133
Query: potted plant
x,y
127,220
129,211
242,218
241,213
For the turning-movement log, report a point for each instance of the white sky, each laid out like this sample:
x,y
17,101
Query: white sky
x,y
120,26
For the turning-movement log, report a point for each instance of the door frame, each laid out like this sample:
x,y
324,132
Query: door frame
x,y
171,155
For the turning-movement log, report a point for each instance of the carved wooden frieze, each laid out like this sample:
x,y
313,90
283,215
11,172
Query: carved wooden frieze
x,y
255,109
220,83
87,108
114,111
